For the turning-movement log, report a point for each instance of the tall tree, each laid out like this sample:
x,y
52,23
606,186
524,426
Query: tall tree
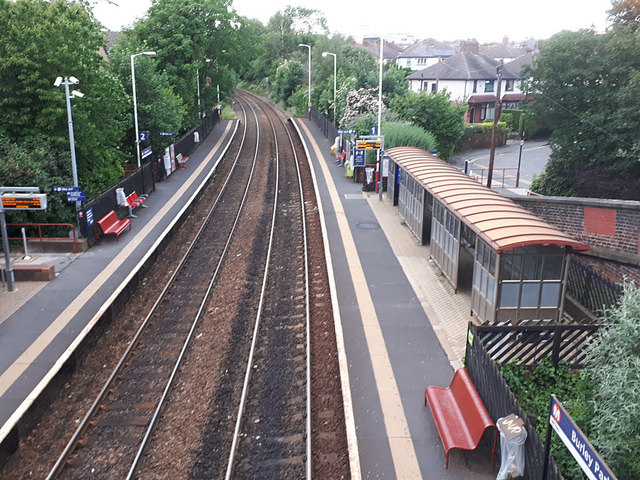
x,y
185,33
587,86
39,41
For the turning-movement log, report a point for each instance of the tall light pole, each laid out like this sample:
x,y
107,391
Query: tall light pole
x,y
309,47
135,104
380,116
208,60
75,93
335,63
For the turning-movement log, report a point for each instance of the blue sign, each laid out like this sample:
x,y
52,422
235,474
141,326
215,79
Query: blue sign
x,y
577,443
89,216
146,152
359,158
76,196
143,136
66,189
167,134
373,130
346,132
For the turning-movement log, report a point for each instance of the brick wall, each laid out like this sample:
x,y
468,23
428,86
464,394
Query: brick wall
x,y
606,224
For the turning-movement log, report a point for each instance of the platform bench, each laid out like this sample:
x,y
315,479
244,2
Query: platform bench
x,y
134,201
460,414
111,224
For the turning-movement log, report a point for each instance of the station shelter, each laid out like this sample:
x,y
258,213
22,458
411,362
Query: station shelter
x,y
514,263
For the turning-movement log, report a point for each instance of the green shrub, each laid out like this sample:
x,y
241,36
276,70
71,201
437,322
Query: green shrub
x,y
507,118
515,118
471,129
407,135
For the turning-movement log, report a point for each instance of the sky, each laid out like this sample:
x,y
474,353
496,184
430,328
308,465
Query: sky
x,y
484,20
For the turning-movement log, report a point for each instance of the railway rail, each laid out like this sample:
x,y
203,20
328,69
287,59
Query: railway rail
x,y
176,404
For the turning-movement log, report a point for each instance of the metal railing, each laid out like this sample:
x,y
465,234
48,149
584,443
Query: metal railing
x,y
41,238
502,177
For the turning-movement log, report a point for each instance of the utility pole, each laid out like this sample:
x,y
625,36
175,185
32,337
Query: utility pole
x,y
496,116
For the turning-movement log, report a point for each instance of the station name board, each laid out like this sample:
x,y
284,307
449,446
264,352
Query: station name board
x,y
24,201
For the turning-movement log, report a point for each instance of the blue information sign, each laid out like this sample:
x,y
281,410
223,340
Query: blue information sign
x,y
146,152
76,196
577,443
66,189
346,132
168,134
373,130
359,158
143,136
90,216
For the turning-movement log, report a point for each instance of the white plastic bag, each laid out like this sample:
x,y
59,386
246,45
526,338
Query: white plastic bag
x,y
511,448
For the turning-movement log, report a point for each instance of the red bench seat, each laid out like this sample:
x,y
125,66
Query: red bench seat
x,y
111,224
460,414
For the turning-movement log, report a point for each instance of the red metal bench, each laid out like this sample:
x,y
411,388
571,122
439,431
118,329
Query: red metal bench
x,y
133,201
110,223
460,414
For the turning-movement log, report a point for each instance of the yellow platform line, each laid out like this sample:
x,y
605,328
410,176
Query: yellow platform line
x,y
402,451
18,367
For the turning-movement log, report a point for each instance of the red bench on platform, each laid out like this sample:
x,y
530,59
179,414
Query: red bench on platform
x,y
460,414
111,224
133,201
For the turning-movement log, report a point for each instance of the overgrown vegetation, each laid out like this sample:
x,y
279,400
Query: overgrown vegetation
x,y
603,398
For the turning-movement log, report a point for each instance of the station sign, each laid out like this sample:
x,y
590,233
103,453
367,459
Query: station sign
x,y
373,130
76,196
143,136
89,216
577,443
359,158
24,201
369,144
347,132
146,152
168,134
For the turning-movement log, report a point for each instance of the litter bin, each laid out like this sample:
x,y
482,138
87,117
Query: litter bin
x,y
513,434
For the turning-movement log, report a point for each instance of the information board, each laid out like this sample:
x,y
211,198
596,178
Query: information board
x,y
359,158
24,201
369,144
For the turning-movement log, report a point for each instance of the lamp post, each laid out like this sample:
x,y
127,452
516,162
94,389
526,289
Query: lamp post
x,y
335,63
309,106
75,93
380,117
208,61
135,104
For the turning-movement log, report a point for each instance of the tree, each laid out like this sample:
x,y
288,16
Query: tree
x,y
288,79
40,41
436,114
185,33
613,364
587,86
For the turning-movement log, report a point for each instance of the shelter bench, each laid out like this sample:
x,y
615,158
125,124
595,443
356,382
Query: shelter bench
x,y
111,224
134,201
459,414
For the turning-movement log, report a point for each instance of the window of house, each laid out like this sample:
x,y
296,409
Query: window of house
x,y
475,86
425,85
487,111
408,62
509,85
434,88
488,86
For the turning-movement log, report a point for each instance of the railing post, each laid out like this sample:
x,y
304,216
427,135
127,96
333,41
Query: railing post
x,y
557,341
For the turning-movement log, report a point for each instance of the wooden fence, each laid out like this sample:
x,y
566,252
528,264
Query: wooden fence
x,y
591,289
529,343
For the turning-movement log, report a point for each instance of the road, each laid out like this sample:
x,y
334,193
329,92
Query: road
x,y
535,154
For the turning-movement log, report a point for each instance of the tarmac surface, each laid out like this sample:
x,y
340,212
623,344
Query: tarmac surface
x,y
403,327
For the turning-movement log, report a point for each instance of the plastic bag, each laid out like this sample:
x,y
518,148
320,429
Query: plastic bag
x,y
512,438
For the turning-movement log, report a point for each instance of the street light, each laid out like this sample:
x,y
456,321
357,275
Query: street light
x,y
69,95
335,63
135,105
208,60
309,47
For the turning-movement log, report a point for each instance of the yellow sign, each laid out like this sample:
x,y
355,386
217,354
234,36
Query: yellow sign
x,y
25,201
369,144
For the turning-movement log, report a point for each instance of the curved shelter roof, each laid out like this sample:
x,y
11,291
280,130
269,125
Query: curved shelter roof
x,y
499,221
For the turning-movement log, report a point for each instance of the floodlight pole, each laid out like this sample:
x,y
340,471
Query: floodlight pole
x,y
380,117
135,103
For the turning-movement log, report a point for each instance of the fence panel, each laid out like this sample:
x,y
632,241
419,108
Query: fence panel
x,y
591,289
500,402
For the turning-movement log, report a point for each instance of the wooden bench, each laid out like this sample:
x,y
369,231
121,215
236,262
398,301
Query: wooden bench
x,y
134,201
111,224
460,414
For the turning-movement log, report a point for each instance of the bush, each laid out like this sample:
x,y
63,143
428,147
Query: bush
x,y
515,119
402,134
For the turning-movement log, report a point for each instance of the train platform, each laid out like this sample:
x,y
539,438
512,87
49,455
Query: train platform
x,y
403,328
41,323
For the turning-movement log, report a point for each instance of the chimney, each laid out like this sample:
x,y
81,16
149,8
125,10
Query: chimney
x,y
470,46
432,42
505,40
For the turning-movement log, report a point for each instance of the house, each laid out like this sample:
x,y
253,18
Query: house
x,y
389,49
503,51
424,54
471,78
